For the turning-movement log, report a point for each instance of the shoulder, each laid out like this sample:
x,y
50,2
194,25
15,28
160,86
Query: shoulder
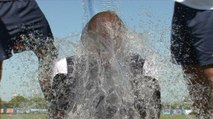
x,y
136,60
70,60
135,63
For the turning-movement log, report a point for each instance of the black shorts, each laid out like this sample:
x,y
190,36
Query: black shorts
x,y
18,18
192,36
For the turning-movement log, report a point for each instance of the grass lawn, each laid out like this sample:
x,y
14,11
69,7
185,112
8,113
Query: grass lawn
x,y
177,117
42,116
23,116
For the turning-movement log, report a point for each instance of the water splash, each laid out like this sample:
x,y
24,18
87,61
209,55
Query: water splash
x,y
110,83
157,65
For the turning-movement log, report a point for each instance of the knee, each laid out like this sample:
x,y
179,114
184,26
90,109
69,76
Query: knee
x,y
208,72
47,53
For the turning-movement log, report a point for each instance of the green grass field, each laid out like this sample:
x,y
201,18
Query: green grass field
x,y
23,116
43,116
177,117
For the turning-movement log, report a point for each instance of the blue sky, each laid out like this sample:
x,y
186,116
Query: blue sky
x,y
69,16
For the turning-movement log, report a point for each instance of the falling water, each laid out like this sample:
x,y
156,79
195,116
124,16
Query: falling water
x,y
99,98
112,88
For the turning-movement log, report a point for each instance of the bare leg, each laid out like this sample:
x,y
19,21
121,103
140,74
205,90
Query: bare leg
x,y
46,53
46,56
208,71
199,90
1,63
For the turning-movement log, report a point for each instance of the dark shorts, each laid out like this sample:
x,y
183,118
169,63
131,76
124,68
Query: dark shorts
x,y
192,36
22,18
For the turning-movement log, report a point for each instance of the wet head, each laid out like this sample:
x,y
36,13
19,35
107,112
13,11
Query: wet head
x,y
104,32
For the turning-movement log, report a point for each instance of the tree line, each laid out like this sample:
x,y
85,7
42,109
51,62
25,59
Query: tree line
x,y
23,102
40,103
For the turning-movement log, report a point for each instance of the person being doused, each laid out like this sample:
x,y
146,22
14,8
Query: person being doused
x,y
104,80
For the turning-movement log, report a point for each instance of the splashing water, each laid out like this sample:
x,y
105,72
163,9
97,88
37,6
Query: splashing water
x,y
115,95
107,80
107,89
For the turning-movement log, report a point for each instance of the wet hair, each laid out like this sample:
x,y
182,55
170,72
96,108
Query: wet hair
x,y
107,26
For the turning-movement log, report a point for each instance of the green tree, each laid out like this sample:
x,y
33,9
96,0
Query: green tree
x,y
17,102
38,102
1,103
